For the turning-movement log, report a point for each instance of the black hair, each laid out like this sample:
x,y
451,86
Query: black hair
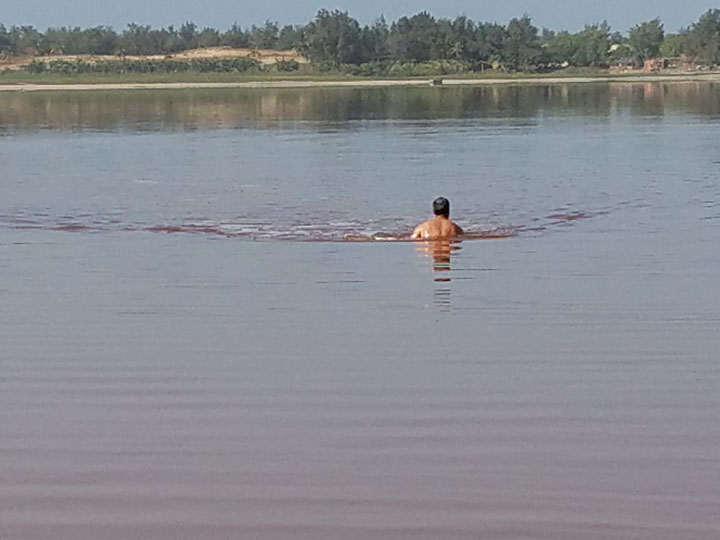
x,y
441,207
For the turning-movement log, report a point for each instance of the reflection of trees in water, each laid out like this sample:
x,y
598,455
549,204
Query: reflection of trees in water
x,y
207,109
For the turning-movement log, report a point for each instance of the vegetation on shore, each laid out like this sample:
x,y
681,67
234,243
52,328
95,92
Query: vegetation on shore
x,y
305,74
334,43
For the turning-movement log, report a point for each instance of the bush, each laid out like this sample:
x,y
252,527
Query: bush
x,y
430,68
407,69
369,69
225,65
325,67
287,65
36,66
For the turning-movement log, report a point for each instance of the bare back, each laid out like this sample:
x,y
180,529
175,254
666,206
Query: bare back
x,y
438,227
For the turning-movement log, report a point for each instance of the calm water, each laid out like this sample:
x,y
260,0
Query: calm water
x,y
189,348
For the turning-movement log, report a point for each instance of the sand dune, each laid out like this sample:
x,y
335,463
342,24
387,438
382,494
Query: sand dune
x,y
265,56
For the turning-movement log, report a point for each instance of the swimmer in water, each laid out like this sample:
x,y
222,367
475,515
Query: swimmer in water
x,y
440,226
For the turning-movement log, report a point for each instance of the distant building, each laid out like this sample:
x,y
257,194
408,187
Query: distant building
x,y
655,64
622,66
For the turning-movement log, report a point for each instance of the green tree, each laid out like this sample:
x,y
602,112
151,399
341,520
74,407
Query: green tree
x,y
593,45
704,38
374,41
445,45
461,40
100,40
235,37
208,37
589,47
54,41
290,37
333,37
97,40
675,45
143,40
265,36
645,40
168,40
25,39
188,35
414,39
521,47
489,42
559,47
6,44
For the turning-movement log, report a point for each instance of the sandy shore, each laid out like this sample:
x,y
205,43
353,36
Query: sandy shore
x,y
32,87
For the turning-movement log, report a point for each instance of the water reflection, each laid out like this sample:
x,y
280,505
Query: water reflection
x,y
152,110
440,252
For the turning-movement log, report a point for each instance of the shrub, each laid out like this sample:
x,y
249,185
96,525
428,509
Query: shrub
x,y
36,66
209,65
287,65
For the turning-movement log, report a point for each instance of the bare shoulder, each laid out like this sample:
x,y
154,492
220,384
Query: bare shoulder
x,y
458,229
419,231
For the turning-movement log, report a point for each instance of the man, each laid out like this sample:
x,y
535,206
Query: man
x,y
440,226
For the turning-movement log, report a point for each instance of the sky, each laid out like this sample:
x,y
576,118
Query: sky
x,y
569,15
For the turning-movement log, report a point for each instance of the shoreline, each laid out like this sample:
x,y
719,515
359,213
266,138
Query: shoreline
x,y
360,83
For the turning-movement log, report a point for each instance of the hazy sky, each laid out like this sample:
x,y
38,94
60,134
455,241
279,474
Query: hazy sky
x,y
555,14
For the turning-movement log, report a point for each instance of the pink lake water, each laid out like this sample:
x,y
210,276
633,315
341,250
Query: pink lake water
x,y
189,348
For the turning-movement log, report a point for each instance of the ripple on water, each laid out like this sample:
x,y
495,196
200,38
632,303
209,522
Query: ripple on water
x,y
299,230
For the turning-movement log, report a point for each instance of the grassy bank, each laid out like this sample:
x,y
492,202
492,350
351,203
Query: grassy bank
x,y
18,77
11,78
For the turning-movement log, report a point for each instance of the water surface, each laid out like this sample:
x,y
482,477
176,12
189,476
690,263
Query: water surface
x,y
190,349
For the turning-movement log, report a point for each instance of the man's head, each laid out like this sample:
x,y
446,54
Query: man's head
x,y
441,207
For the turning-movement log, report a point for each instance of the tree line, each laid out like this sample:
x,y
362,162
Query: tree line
x,y
139,39
335,40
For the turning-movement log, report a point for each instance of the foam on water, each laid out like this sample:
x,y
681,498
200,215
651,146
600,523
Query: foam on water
x,y
331,231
